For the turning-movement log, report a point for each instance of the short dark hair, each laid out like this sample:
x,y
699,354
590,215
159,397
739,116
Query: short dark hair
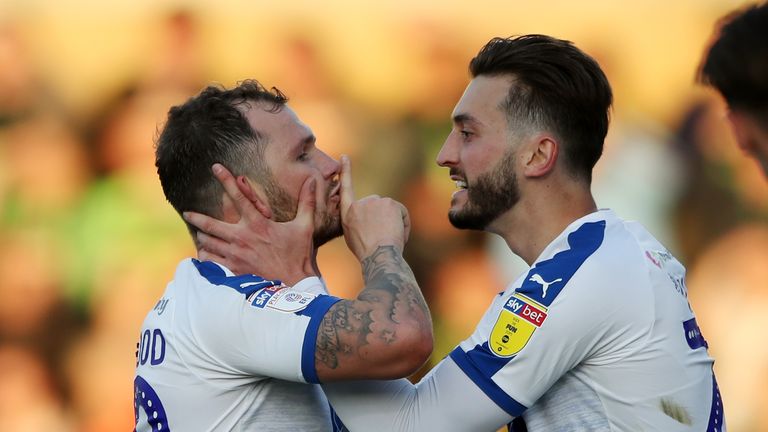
x,y
556,86
737,62
209,128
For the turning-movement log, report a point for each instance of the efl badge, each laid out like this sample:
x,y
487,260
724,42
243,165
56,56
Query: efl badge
x,y
290,301
518,319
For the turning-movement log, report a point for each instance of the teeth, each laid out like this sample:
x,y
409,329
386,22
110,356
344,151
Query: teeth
x,y
461,184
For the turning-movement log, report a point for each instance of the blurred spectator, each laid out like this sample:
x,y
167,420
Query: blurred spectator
x,y
28,401
33,312
44,164
737,65
122,135
129,239
46,169
301,69
719,185
463,281
727,288
639,176
19,83
101,365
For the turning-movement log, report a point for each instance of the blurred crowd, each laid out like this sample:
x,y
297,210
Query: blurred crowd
x,y
87,241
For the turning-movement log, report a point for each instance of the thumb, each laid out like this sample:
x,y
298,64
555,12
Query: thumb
x,y
406,224
347,192
305,214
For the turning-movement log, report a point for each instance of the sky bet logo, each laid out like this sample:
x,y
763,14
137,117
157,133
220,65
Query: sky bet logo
x,y
260,298
525,310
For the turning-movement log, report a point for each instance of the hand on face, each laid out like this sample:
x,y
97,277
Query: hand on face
x,y
256,244
371,221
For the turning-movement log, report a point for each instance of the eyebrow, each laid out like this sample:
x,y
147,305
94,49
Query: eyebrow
x,y
305,142
465,118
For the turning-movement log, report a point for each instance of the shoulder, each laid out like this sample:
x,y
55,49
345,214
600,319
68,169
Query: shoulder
x,y
599,264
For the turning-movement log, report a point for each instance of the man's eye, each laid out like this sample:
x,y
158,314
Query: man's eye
x,y
465,134
303,157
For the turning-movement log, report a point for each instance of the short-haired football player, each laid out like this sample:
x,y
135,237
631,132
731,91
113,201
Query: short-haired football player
x,y
228,350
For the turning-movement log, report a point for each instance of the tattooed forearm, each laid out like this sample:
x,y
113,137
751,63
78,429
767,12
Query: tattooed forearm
x,y
343,319
386,270
391,299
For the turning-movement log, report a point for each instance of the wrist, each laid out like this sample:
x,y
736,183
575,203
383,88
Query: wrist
x,y
370,252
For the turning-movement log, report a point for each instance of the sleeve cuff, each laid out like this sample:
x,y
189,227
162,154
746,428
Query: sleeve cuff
x,y
315,311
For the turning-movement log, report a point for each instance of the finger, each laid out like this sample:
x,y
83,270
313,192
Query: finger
x,y
305,214
347,192
406,224
209,225
263,209
264,212
229,183
213,244
228,206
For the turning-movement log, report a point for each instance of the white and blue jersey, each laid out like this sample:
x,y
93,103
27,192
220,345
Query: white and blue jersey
x,y
597,335
230,353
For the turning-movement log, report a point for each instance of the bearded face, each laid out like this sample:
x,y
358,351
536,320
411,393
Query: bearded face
x,y
488,196
284,206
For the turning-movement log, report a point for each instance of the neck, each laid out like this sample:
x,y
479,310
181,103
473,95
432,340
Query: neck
x,y
540,216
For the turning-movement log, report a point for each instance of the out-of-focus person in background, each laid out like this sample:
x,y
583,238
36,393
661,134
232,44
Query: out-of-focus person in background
x,y
737,66
722,214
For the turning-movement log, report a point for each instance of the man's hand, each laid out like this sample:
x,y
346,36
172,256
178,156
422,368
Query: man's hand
x,y
371,221
256,244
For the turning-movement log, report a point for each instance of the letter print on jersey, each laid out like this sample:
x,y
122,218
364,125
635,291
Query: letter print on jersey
x,y
146,402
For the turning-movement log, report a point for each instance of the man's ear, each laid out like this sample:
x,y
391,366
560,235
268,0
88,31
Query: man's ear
x,y
542,156
256,194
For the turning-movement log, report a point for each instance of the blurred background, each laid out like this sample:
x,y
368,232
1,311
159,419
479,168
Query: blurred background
x,y
87,242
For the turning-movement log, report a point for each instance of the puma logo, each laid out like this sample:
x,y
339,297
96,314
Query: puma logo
x,y
544,284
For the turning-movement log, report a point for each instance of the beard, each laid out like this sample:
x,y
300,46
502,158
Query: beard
x,y
284,207
489,196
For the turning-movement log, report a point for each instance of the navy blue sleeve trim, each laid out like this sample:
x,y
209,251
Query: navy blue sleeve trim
x,y
315,311
490,388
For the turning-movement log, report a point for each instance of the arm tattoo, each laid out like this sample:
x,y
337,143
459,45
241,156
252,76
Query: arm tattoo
x,y
391,297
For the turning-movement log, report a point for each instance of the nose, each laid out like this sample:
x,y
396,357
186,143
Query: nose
x,y
329,166
448,154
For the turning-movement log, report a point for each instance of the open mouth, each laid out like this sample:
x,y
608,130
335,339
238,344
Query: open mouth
x,y
461,183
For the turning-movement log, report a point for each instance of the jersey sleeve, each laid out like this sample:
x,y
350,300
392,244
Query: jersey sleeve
x,y
445,399
259,327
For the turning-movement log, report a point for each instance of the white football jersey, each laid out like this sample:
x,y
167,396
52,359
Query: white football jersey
x,y
598,335
221,352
